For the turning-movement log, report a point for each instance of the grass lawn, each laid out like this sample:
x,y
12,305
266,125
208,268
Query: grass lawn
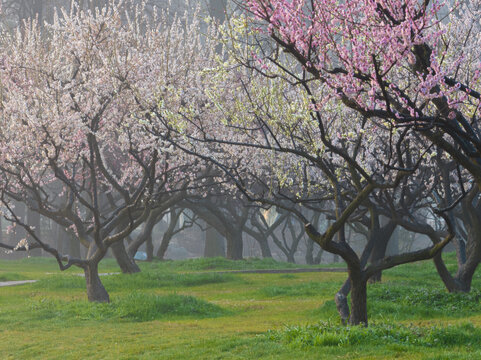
x,y
182,310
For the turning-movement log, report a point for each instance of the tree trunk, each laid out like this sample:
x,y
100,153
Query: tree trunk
x,y
34,221
318,257
381,238
126,263
449,281
149,248
234,246
57,233
19,232
358,298
310,252
169,233
460,247
164,245
461,282
145,235
214,243
265,249
341,301
290,257
466,272
393,245
95,289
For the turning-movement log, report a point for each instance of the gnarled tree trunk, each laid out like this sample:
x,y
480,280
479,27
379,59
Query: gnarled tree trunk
x,y
126,262
95,289
264,245
235,245
381,237
358,298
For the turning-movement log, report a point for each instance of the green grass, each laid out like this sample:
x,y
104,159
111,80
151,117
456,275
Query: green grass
x,y
378,335
311,288
11,277
132,307
185,310
147,279
218,263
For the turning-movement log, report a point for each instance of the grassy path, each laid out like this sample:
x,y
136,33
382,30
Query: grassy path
x,y
18,282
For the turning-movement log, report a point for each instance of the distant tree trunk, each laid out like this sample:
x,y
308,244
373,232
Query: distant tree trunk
x,y
95,289
149,248
145,234
214,243
318,257
33,218
265,249
309,252
74,245
393,245
126,262
19,232
57,237
164,244
235,245
169,233
290,258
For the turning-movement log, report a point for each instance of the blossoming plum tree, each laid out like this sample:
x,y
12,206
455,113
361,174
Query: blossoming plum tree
x,y
409,63
73,141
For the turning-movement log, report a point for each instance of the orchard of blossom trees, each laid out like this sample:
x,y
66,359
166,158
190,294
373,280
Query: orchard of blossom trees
x,y
338,117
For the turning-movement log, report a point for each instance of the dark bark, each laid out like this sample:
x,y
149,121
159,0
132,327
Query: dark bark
x,y
214,243
265,249
149,248
164,245
126,262
172,229
381,237
95,289
461,282
358,298
145,235
446,277
309,252
235,246
341,301
318,257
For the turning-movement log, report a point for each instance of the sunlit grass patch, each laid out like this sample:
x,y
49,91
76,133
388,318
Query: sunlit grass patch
x,y
380,334
311,288
219,263
12,277
142,280
400,302
133,307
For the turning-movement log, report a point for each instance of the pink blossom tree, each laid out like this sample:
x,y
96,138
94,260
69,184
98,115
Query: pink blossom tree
x,y
73,115
413,64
